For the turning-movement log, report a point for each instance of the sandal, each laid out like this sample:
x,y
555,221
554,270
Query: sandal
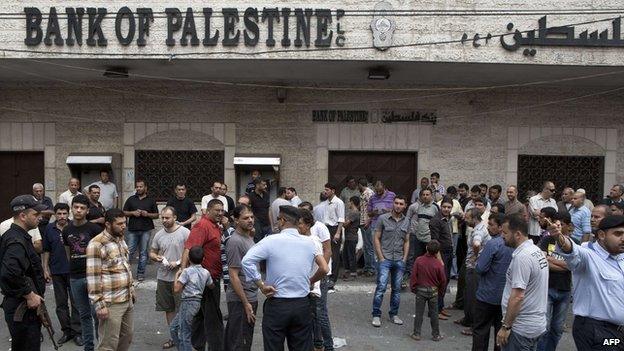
x,y
467,332
169,344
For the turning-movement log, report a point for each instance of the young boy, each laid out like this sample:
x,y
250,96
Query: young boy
x,y
191,281
428,280
351,225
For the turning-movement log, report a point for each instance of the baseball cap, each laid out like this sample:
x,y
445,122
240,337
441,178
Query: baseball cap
x,y
24,202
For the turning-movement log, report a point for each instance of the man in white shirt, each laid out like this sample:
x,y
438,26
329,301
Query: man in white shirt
x,y
108,191
536,203
72,190
216,194
333,218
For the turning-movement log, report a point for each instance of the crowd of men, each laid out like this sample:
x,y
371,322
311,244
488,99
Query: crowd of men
x,y
518,264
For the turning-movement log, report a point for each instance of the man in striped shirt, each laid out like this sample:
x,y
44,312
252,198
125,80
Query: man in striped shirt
x,y
109,280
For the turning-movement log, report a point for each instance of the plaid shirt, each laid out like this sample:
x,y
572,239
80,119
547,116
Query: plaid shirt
x,y
109,276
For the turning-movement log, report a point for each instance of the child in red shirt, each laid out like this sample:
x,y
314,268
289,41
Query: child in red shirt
x,y
427,281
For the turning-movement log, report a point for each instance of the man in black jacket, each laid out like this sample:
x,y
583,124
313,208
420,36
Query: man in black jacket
x,y
440,229
21,274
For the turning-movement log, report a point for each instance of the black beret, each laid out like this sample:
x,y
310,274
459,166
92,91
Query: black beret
x,y
611,222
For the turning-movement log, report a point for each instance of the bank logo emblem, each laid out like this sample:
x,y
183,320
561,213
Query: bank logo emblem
x,y
382,26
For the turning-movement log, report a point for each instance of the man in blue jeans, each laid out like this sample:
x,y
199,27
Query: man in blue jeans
x,y
76,237
141,211
391,243
559,286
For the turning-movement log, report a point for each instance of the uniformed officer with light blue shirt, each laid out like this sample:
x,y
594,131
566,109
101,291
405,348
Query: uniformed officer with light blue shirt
x,y
289,258
598,276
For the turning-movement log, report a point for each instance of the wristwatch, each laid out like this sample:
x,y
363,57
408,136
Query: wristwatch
x,y
506,327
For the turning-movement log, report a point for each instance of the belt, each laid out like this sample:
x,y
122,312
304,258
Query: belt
x,y
619,328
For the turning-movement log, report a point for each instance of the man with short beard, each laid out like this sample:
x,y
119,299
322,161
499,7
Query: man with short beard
x,y
141,210
242,296
110,284
167,248
21,274
392,247
56,271
525,296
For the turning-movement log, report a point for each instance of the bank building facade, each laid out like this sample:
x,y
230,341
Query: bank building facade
x,y
310,92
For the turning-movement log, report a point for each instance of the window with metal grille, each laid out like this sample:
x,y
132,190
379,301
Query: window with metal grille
x,y
162,170
585,172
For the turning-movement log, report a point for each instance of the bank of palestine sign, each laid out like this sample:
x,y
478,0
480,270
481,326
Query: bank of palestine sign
x,y
134,26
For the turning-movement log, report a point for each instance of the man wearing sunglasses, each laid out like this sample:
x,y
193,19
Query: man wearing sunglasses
x,y
536,203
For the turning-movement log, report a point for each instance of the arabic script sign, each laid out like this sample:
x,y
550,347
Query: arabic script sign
x,y
553,36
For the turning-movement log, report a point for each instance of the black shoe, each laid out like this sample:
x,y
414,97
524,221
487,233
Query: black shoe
x,y
78,340
65,338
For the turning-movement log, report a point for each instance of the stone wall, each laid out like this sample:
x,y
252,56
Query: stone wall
x,y
476,139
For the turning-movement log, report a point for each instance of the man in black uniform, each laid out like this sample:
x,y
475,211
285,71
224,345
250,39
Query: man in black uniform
x,y
21,274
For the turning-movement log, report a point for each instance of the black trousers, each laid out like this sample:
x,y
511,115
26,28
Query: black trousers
x,y
447,258
336,257
349,256
461,286
25,335
594,335
238,331
290,320
486,316
69,320
208,322
470,295
460,253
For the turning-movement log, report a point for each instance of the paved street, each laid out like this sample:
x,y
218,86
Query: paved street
x,y
349,312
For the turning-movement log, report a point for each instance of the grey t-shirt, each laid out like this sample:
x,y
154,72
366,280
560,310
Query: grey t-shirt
x,y
170,246
108,193
393,235
235,249
528,271
194,278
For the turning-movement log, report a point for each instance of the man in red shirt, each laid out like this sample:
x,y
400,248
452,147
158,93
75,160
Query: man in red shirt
x,y
427,281
208,322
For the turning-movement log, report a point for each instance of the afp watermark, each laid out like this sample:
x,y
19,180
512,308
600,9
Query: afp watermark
x,y
611,342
